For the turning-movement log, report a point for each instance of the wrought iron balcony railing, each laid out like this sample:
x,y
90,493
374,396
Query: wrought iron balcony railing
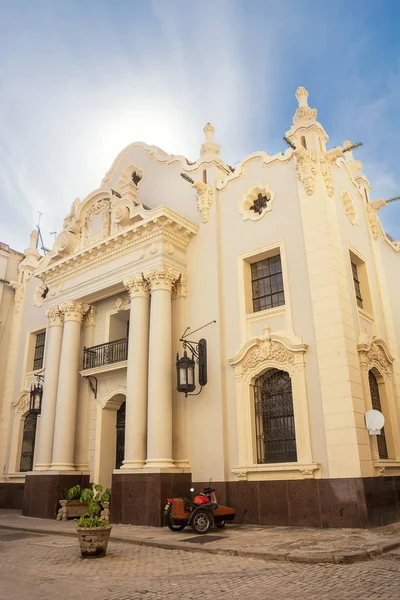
x,y
105,354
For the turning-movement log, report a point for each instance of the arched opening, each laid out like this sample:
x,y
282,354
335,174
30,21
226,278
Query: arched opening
x,y
274,418
376,405
303,142
120,437
111,439
28,442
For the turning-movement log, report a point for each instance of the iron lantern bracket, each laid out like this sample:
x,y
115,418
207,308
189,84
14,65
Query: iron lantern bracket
x,y
93,386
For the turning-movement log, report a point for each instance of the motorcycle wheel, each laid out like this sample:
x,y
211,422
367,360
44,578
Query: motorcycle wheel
x,y
201,522
220,525
173,527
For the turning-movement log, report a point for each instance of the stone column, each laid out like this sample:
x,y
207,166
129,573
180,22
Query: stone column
x,y
44,446
179,402
159,418
67,391
137,371
84,397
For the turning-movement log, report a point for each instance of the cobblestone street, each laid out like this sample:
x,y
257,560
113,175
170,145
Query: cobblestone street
x,y
45,567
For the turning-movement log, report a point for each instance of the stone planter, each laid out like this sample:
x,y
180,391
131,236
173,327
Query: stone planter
x,y
94,541
71,508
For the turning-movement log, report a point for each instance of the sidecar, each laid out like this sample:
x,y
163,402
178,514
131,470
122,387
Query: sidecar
x,y
200,515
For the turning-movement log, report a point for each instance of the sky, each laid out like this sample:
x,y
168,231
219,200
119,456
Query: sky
x,y
81,79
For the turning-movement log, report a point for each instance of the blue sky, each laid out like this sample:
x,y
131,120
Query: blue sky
x,y
82,79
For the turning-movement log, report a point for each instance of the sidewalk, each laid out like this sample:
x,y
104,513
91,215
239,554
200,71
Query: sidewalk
x,y
268,543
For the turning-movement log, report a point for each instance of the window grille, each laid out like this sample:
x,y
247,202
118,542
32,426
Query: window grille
x,y
267,283
28,442
120,454
39,350
376,405
274,415
357,285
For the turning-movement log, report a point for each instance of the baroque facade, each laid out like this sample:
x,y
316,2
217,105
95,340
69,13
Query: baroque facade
x,y
286,253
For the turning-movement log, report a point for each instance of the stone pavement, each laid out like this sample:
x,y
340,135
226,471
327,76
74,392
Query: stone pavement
x,y
267,543
36,566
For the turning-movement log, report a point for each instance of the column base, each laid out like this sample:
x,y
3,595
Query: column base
x,y
42,492
160,463
138,498
62,467
132,464
182,464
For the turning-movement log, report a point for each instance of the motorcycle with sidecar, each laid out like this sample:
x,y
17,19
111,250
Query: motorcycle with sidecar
x,y
201,512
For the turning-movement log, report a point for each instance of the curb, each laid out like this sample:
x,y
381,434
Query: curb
x,y
338,558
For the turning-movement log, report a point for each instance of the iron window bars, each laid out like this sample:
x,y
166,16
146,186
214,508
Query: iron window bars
x,y
274,416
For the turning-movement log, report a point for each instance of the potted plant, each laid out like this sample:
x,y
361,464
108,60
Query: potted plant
x,y
93,530
71,505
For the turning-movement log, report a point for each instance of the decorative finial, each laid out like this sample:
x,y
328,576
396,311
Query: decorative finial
x,y
32,250
302,95
209,147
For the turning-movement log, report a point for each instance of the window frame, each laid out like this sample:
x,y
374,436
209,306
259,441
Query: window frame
x,y
38,351
267,280
357,285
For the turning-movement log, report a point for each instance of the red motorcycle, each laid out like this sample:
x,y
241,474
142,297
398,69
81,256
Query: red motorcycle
x,y
200,512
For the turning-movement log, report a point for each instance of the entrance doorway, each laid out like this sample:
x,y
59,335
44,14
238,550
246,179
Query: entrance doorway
x,y
120,441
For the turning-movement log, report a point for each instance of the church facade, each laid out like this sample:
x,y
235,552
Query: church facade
x,y
285,261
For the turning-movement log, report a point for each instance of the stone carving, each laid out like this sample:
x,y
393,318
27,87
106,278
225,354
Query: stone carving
x,y
89,318
304,112
169,248
373,219
267,350
204,199
306,169
209,147
326,171
22,404
122,304
247,202
71,222
73,310
55,316
137,286
66,242
19,294
153,248
348,206
121,213
40,294
180,289
99,207
161,278
376,356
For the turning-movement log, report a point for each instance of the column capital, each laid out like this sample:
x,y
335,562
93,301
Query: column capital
x,y
161,278
55,316
73,310
90,317
180,289
137,286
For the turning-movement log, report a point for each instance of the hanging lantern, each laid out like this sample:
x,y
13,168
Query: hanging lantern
x,y
35,399
185,374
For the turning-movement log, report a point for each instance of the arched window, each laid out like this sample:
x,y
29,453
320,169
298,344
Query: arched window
x,y
275,429
376,405
28,442
303,142
120,450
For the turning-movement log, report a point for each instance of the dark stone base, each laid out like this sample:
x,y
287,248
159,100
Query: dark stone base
x,y
42,493
139,498
355,502
11,495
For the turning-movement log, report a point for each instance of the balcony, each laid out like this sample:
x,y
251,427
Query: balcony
x,y
105,354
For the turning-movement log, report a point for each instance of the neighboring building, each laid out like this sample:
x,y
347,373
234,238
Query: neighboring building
x,y
287,254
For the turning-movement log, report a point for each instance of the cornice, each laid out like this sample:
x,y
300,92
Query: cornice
x,y
161,157
160,221
266,159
